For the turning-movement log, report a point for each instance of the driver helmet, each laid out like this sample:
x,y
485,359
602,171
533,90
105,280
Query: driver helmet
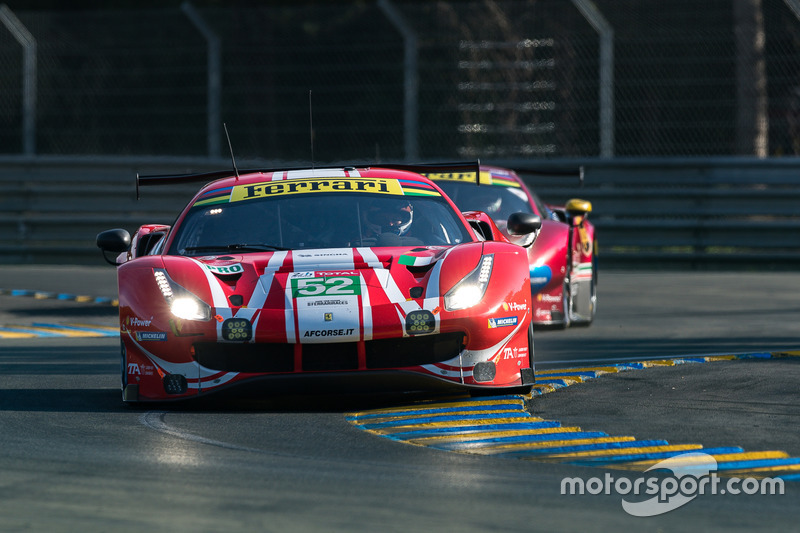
x,y
393,217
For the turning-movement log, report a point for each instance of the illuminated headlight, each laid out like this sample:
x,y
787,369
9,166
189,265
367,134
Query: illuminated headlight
x,y
182,303
189,308
470,290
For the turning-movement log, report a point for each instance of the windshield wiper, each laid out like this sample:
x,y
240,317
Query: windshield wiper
x,y
242,247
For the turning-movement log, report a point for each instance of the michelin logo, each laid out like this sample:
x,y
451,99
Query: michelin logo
x,y
151,336
502,322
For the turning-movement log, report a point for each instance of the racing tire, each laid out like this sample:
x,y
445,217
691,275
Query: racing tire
x,y
129,392
530,350
123,366
527,388
566,304
592,299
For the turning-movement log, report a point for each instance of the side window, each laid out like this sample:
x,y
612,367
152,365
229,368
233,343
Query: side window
x,y
482,230
149,242
158,246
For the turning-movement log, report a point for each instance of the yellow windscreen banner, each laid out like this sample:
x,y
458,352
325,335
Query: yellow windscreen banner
x,y
301,186
463,177
487,178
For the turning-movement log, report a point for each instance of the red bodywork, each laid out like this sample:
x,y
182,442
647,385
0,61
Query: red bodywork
x,y
377,313
562,258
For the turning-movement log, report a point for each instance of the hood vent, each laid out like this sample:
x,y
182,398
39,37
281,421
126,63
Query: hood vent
x,y
228,278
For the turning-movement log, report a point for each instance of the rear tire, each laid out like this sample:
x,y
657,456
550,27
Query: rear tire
x,y
566,304
592,299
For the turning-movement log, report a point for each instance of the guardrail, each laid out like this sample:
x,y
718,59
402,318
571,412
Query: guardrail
x,y
51,209
696,213
690,213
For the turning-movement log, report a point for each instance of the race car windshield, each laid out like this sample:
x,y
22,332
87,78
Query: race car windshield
x,y
497,202
325,220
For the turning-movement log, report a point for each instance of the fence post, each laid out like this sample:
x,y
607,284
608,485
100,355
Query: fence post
x,y
214,78
410,81
601,25
28,43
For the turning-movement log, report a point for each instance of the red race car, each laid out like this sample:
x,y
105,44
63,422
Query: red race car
x,y
563,256
298,277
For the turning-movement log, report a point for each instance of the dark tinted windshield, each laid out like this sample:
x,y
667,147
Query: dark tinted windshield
x,y
497,202
324,220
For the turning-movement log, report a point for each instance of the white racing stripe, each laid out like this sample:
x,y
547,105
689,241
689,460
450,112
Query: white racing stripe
x,y
439,371
260,293
325,311
218,299
471,358
321,173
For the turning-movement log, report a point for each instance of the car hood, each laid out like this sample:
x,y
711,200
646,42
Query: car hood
x,y
257,273
328,293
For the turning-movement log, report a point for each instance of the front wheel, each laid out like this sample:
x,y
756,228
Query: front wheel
x,y
530,348
123,366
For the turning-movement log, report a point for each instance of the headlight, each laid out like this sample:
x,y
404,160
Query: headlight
x,y
189,309
182,303
470,290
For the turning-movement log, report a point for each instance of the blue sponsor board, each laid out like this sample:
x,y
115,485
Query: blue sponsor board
x,y
540,276
502,322
151,336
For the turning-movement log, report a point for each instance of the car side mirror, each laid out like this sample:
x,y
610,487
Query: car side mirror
x,y
113,241
523,223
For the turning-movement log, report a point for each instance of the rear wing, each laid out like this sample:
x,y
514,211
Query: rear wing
x,y
205,177
201,177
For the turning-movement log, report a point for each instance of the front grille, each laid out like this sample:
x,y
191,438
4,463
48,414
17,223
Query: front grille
x,y
333,356
413,351
326,357
245,357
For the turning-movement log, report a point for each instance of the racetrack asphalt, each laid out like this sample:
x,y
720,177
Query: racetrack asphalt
x,y
75,458
749,403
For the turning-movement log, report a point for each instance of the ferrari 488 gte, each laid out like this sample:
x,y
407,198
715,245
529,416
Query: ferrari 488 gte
x,y
300,277
563,258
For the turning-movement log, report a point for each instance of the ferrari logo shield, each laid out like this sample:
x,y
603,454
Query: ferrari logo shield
x,y
328,317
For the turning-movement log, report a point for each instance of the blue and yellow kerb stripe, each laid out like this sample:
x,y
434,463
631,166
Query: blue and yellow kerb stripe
x,y
44,295
39,329
42,329
501,426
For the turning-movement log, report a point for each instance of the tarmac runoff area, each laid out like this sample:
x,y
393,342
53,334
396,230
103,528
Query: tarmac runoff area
x,y
739,409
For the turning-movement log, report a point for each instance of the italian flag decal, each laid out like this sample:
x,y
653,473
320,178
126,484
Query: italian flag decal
x,y
410,260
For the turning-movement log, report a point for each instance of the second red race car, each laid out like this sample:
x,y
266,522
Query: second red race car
x,y
562,257
300,277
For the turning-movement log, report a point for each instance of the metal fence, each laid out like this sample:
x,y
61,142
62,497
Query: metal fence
x,y
697,213
396,79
